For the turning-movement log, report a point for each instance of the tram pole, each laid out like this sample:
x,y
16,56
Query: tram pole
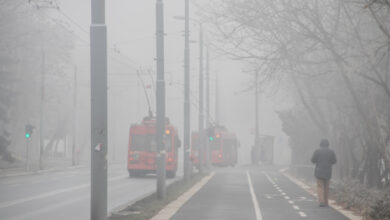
x,y
186,149
160,101
201,110
208,124
98,52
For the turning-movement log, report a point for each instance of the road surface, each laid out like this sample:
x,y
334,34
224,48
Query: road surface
x,y
66,195
248,192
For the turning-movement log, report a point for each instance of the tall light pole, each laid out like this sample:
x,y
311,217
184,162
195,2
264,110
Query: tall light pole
x,y
98,111
41,111
186,135
256,110
201,110
217,100
74,133
208,104
160,100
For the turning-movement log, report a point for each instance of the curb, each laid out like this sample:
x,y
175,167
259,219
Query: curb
x,y
116,210
25,173
168,211
332,203
55,169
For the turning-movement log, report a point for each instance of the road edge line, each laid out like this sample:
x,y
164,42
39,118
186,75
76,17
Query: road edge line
x,y
304,186
254,199
168,211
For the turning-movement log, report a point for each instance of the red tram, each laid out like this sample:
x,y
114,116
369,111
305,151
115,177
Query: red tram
x,y
194,154
143,147
223,147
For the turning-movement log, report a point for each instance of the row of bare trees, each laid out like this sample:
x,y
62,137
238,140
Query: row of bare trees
x,y
333,57
34,53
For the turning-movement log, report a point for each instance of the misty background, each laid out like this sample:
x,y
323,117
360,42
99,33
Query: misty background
x,y
323,67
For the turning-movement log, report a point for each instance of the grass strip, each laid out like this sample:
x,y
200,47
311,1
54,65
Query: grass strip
x,y
149,206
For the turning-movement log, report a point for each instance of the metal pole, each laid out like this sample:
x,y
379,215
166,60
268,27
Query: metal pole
x,y
41,112
98,111
217,101
256,110
160,100
208,124
187,132
27,164
201,110
74,117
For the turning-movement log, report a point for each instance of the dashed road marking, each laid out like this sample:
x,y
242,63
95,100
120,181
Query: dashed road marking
x,y
302,214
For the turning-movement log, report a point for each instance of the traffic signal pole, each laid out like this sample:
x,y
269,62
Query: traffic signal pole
x,y
98,38
160,101
27,163
186,149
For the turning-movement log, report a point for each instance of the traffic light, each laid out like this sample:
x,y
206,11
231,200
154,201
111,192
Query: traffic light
x,y
210,134
28,130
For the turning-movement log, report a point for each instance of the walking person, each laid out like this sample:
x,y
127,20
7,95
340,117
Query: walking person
x,y
323,158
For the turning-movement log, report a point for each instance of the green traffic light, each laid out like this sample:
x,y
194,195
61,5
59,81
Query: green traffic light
x,y
27,135
211,138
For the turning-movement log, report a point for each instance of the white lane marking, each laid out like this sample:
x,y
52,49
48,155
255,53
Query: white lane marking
x,y
269,179
175,205
287,198
48,194
283,193
254,199
295,207
290,201
302,214
332,203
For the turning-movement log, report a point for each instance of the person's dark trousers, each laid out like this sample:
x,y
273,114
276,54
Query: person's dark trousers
x,y
323,191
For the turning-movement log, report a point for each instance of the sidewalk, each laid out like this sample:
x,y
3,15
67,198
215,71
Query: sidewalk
x,y
49,165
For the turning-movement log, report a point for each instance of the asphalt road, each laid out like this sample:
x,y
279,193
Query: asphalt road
x,y
66,195
259,193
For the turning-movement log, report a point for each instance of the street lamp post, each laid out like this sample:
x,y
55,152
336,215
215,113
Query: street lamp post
x,y
160,101
186,149
98,111
208,124
201,110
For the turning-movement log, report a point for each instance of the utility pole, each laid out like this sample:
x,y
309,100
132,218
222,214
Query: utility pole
x,y
201,110
187,132
160,101
74,117
256,110
208,124
98,111
217,101
41,111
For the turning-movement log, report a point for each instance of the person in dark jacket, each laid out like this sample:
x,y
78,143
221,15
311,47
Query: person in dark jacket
x,y
324,158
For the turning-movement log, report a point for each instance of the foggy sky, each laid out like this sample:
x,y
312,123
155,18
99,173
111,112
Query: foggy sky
x,y
131,43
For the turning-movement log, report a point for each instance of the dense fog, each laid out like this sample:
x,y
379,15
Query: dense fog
x,y
294,71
